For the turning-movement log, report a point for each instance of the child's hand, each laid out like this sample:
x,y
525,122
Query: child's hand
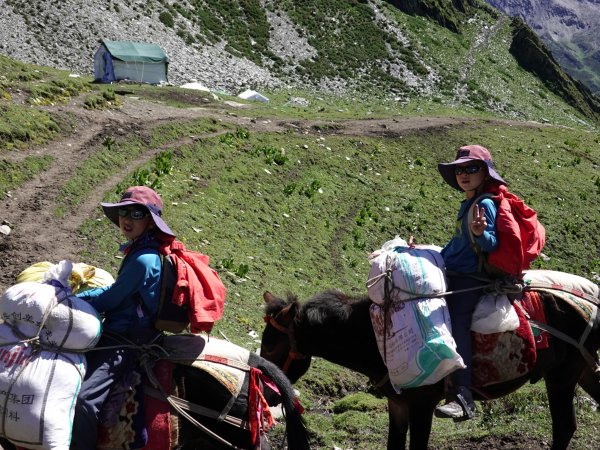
x,y
479,223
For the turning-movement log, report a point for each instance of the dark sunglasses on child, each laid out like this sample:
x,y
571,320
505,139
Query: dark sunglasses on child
x,y
469,170
134,213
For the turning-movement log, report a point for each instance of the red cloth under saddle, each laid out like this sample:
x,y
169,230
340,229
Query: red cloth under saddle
x,y
532,304
156,417
500,357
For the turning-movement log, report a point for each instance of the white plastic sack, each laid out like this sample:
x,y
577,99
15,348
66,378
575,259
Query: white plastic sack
x,y
68,321
195,86
494,314
417,345
38,391
562,280
416,272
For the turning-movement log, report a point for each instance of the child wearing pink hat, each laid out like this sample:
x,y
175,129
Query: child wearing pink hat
x,y
473,173
129,306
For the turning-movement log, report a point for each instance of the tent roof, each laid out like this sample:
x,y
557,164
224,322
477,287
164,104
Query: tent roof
x,y
135,51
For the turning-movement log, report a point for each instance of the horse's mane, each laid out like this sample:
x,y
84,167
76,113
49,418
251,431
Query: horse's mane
x,y
329,306
324,308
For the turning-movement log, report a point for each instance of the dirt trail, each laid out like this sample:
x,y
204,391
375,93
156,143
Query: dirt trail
x,y
37,235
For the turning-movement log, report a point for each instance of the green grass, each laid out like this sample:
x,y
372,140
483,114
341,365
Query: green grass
x,y
13,174
21,127
523,413
117,153
308,224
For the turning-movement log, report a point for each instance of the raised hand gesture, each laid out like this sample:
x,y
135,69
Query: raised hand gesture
x,y
479,223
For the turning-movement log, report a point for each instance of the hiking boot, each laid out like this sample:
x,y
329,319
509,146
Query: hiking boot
x,y
459,409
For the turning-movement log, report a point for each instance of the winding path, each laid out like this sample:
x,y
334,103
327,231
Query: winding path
x,y
37,235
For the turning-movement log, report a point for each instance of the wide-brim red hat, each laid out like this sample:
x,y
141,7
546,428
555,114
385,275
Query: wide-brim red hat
x,y
466,154
139,195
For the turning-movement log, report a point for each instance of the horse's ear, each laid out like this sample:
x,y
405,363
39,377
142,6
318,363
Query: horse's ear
x,y
268,297
287,314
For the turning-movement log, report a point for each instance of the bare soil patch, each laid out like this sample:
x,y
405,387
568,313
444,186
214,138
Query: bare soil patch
x,y
37,235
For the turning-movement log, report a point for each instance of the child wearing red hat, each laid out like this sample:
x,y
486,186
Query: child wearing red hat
x,y
129,306
473,173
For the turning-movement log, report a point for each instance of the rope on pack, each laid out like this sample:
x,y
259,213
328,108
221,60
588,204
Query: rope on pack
x,y
507,286
183,406
387,275
415,296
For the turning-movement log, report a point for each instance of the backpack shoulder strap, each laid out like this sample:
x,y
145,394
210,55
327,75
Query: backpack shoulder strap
x,y
168,278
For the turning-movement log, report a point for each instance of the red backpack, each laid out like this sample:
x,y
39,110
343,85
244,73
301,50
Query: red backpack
x,y
191,291
521,236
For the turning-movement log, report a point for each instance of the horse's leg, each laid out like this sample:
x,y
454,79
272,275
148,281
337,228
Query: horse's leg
x,y
560,385
398,427
590,382
420,420
418,417
6,445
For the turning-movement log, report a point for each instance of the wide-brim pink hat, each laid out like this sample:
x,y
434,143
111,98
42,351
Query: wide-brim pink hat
x,y
139,195
466,154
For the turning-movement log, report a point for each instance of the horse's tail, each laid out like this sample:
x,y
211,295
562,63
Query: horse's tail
x,y
297,434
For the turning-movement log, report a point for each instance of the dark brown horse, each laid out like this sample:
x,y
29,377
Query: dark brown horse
x,y
208,396
338,328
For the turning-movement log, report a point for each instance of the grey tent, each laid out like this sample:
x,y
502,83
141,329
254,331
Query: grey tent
x,y
134,61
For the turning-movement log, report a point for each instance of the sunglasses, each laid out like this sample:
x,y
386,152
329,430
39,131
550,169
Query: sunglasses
x,y
469,170
135,214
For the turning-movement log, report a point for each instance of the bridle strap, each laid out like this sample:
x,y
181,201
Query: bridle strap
x,y
292,354
291,357
271,321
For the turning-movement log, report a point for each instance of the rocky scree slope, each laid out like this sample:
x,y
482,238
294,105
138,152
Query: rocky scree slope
x,y
570,30
262,44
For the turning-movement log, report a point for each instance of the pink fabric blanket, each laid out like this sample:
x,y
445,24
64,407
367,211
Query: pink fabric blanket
x,y
500,357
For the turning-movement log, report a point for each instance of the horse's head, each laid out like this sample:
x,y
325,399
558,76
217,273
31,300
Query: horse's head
x,y
278,343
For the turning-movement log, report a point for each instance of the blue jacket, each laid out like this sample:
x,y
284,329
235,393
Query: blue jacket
x,y
458,253
132,300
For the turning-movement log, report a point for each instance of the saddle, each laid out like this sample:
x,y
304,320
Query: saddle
x,y
138,415
133,419
501,357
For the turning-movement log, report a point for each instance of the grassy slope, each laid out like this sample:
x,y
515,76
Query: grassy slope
x,y
309,223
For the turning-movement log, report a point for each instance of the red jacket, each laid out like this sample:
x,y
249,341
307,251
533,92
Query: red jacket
x,y
198,286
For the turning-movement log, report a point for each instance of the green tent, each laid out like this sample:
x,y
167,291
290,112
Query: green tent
x,y
133,61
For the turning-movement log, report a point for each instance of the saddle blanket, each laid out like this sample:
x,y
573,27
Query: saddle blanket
x,y
144,421
579,293
500,357
224,361
563,282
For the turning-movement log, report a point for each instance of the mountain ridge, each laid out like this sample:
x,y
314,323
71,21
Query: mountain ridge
x,y
393,49
568,28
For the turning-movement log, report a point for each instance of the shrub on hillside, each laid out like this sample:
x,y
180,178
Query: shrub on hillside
x,y
167,19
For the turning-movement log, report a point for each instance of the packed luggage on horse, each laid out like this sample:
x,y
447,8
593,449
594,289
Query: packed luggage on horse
x,y
467,321
86,363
